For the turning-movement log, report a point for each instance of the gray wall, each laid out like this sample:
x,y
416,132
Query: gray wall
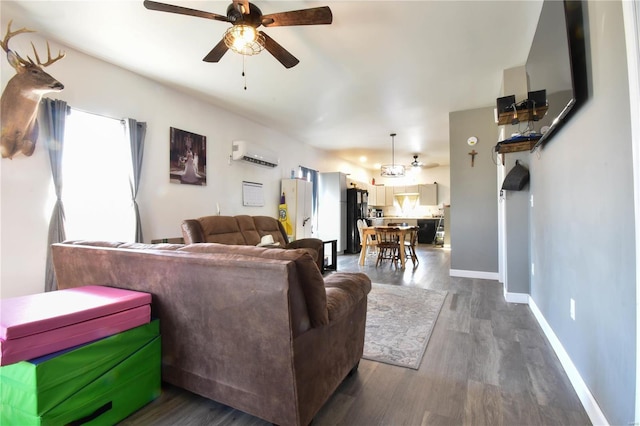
x,y
582,226
474,213
516,203
517,230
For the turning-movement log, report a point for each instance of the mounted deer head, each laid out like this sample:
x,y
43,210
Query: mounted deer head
x,y
21,98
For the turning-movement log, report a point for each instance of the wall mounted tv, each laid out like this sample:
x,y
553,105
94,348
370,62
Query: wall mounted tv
x,y
557,62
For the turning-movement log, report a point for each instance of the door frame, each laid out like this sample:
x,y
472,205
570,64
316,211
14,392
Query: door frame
x,y
631,16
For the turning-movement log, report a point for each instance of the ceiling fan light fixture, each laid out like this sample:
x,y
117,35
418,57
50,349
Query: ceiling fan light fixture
x,y
244,39
392,170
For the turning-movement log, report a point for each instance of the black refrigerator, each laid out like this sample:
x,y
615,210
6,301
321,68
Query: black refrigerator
x,y
356,209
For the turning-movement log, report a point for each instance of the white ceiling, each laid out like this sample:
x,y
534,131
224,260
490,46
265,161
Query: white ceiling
x,y
380,67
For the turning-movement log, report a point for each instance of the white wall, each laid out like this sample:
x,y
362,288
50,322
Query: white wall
x,y
98,87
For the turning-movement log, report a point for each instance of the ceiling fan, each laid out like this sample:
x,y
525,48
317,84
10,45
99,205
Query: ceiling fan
x,y
245,18
415,163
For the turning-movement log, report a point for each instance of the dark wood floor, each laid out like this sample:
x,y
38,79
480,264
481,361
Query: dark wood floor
x,y
487,363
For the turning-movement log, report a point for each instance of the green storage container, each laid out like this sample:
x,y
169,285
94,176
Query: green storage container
x,y
99,383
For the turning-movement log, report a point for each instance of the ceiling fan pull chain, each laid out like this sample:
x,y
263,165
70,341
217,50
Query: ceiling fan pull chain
x,y
244,75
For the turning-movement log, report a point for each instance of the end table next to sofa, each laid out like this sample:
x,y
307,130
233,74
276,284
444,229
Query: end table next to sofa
x,y
330,256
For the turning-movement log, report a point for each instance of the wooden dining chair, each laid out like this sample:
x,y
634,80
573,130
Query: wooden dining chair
x,y
410,241
388,244
371,242
360,224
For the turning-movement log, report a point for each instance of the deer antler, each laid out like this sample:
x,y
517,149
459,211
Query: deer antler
x,y
50,61
5,43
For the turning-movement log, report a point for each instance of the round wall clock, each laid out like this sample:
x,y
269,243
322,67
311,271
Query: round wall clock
x,y
472,141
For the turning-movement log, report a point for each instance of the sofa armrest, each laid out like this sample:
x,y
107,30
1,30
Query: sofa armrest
x,y
313,244
192,231
344,291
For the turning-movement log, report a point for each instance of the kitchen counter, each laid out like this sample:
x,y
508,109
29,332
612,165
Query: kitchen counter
x,y
409,220
410,217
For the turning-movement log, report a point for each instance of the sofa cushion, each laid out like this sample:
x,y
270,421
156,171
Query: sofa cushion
x,y
310,280
223,230
344,291
95,243
143,246
309,277
116,244
268,225
248,229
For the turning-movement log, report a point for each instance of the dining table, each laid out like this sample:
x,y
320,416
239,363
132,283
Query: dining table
x,y
369,231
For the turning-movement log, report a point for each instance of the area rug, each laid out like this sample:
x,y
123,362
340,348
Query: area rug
x,y
399,323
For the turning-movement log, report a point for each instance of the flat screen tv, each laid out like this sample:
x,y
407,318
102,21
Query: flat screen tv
x,y
557,63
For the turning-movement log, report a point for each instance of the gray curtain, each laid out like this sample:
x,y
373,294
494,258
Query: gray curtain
x,y
52,117
136,133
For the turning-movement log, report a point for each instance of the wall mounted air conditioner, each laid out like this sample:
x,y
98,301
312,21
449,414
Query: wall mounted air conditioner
x,y
254,154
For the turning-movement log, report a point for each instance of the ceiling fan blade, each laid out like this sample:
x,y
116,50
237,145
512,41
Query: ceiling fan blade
x,y
241,6
217,52
313,16
163,7
279,52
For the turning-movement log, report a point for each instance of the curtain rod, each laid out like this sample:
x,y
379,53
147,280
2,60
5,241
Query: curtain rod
x,y
309,168
95,113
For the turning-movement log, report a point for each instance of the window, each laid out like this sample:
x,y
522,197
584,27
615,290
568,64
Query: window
x,y
96,167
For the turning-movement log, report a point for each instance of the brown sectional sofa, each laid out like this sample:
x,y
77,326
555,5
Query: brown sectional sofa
x,y
258,329
246,230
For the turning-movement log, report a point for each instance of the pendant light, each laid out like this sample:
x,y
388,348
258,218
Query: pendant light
x,y
393,169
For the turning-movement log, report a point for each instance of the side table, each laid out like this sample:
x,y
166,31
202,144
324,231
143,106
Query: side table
x,y
331,256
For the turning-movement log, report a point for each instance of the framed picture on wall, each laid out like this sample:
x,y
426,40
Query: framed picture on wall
x,y
187,157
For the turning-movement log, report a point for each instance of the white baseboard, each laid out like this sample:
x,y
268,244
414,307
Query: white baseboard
x,y
588,401
516,297
473,274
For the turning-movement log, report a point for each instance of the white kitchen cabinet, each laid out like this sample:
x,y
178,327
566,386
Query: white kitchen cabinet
x,y
388,195
377,196
381,195
373,196
298,195
411,189
428,194
372,200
